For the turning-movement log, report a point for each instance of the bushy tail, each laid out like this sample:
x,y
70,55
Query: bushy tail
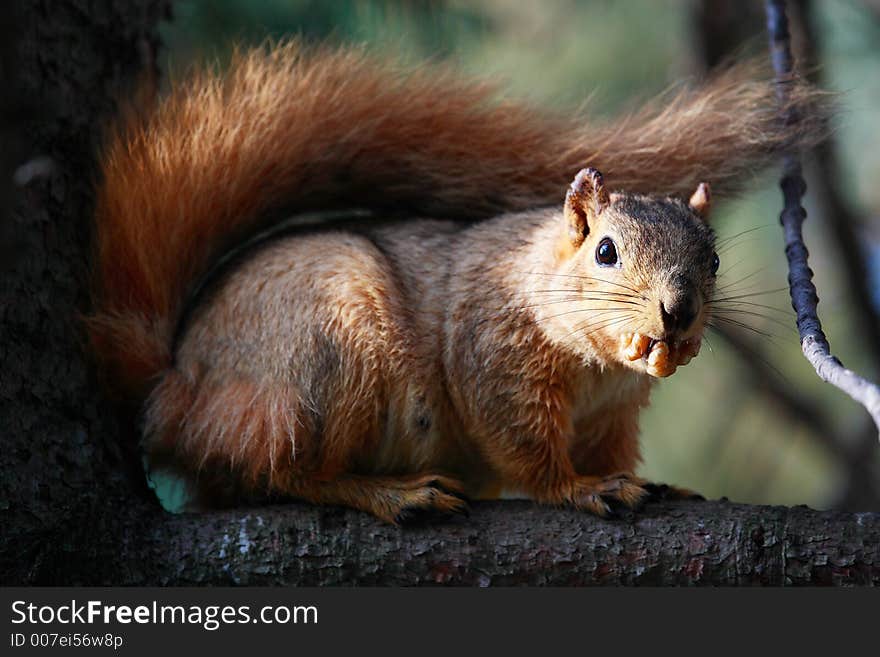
x,y
296,129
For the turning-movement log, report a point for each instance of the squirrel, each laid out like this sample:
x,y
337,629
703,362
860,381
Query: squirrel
x,y
489,332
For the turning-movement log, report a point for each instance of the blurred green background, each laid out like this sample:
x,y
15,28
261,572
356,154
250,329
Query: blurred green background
x,y
756,428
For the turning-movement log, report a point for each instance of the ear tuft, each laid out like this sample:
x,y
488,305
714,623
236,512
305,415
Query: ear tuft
x,y
701,201
586,195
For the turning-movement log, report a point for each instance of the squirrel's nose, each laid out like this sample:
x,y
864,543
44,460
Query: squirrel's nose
x,y
678,315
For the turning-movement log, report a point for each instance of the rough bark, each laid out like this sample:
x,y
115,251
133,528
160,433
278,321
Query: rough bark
x,y
510,543
73,504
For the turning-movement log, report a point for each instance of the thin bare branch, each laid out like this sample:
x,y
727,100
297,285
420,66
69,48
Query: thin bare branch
x,y
804,299
845,221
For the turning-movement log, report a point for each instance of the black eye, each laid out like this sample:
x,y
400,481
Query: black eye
x,y
715,263
606,252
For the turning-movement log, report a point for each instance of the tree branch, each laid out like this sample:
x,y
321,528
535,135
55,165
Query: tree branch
x,y
504,543
804,299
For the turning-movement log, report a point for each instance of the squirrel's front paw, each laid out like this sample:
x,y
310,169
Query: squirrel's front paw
x,y
688,350
661,359
603,495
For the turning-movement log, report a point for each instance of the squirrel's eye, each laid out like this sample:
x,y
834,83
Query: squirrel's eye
x,y
715,263
606,252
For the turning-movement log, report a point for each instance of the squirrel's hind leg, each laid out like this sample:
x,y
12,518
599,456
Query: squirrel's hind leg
x,y
236,440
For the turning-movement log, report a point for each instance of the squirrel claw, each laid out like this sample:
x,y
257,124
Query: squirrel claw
x,y
661,358
635,345
430,498
607,497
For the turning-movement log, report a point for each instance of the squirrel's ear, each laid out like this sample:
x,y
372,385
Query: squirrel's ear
x,y
701,201
586,197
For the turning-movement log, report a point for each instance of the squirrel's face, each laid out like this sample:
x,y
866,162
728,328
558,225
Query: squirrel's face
x,y
642,269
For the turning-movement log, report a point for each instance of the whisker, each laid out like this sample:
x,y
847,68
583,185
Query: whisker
x,y
752,313
741,280
606,324
607,299
730,268
587,291
752,354
569,312
732,304
707,341
614,304
742,325
524,321
727,248
581,328
581,277
751,294
725,240
576,299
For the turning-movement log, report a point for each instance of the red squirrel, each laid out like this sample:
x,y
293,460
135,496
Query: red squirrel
x,y
488,333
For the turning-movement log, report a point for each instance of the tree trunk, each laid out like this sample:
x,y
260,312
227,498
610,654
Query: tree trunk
x,y
74,505
64,474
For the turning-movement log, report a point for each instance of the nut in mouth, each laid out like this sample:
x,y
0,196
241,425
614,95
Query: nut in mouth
x,y
661,357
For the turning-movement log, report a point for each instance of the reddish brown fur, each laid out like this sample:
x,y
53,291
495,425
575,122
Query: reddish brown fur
x,y
326,364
